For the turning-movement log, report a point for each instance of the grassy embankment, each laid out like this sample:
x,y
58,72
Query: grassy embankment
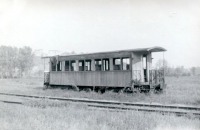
x,y
182,90
54,116
43,114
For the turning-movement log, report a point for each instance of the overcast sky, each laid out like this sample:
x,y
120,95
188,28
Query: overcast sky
x,y
104,25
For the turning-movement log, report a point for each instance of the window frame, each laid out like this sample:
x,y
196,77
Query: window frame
x,y
117,65
67,66
72,65
82,66
99,64
125,58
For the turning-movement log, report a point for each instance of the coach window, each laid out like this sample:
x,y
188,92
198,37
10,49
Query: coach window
x,y
88,65
125,63
53,66
116,64
53,63
98,64
66,65
59,66
81,65
72,65
106,65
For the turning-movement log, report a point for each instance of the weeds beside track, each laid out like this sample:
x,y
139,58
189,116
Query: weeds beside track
x,y
115,105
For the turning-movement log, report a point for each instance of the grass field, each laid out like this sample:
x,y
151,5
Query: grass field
x,y
50,115
182,90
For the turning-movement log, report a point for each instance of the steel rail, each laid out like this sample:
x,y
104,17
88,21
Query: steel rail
x,y
178,113
105,102
11,102
180,110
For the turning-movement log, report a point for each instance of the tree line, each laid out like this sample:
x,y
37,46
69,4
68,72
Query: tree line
x,y
178,70
15,62
18,62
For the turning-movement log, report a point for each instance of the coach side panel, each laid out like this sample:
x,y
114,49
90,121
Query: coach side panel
x,y
91,78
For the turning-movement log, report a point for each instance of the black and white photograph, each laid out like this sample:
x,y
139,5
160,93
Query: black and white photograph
x,y
100,65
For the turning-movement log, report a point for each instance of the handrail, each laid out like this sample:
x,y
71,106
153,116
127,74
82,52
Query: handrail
x,y
156,76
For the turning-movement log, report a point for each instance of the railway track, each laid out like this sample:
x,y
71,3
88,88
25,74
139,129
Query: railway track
x,y
115,105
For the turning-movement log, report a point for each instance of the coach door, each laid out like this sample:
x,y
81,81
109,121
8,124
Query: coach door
x,y
145,70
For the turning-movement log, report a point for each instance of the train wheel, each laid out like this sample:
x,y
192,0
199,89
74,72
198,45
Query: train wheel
x,y
128,90
140,89
74,87
87,89
135,90
102,90
157,90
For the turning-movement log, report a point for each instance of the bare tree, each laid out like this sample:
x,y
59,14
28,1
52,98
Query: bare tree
x,y
161,63
8,60
25,59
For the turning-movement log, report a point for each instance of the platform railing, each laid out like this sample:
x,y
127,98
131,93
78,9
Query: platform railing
x,y
156,77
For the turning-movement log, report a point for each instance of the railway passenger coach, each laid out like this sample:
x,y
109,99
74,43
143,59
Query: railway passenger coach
x,y
124,69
